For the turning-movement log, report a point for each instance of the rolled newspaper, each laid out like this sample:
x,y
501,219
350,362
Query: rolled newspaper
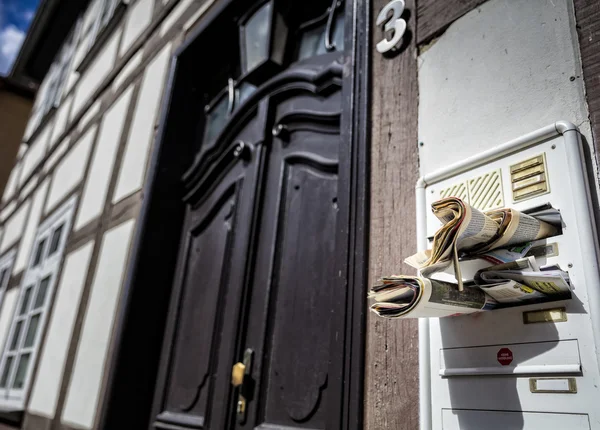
x,y
467,230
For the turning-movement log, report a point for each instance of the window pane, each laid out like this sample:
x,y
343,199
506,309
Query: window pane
x,y
256,35
55,242
312,40
31,331
6,372
14,342
244,91
26,299
21,371
3,276
39,252
216,119
42,292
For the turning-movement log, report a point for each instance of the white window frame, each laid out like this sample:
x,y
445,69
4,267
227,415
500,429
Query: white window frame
x,y
6,267
28,306
51,91
100,15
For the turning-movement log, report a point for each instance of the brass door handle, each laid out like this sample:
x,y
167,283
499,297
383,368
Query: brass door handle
x,y
240,378
237,374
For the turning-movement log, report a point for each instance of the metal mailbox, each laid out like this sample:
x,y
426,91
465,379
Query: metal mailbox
x,y
528,367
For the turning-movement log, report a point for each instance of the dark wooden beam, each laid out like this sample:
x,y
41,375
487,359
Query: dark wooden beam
x,y
434,16
392,387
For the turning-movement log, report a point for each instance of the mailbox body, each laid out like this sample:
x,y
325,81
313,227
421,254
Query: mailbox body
x,y
498,369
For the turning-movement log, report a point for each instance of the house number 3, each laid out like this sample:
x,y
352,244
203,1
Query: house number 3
x,y
393,24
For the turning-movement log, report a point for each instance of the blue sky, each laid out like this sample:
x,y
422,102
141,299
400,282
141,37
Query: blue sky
x,y
15,17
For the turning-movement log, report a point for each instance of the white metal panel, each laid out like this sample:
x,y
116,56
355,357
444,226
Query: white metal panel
x,y
533,358
578,253
495,420
84,388
48,381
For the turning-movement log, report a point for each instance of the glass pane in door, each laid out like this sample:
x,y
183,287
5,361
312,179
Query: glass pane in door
x,y
256,35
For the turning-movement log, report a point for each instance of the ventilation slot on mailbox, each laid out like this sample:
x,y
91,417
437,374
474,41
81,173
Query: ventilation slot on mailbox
x,y
483,192
458,190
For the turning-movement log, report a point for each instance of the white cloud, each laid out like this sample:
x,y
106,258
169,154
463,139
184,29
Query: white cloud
x,y
11,39
28,14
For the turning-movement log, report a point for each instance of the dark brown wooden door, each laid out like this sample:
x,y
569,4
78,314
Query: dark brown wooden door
x,y
294,327
200,340
258,265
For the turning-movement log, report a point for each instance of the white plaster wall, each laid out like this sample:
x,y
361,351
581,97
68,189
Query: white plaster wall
x,y
69,172
7,211
6,313
14,226
96,187
95,73
192,20
141,134
35,152
125,72
52,361
175,14
13,181
82,395
58,152
89,114
60,123
138,18
24,192
31,227
502,70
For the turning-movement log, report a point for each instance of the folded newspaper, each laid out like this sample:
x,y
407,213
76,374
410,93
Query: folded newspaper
x,y
466,230
515,283
523,281
414,297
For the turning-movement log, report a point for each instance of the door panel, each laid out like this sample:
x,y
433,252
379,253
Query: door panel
x,y
205,280
304,260
292,324
200,339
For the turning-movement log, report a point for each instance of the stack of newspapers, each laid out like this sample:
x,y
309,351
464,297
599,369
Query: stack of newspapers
x,y
478,261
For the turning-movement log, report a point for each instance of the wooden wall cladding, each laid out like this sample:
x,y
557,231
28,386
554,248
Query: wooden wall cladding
x,y
587,14
391,385
434,16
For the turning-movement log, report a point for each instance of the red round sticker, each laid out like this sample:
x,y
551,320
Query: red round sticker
x,y
505,356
